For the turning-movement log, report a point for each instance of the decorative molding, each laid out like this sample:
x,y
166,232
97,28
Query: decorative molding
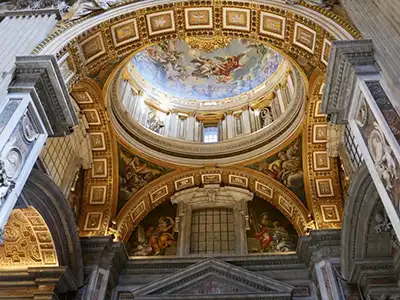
x,y
294,209
346,59
41,77
305,37
234,278
236,18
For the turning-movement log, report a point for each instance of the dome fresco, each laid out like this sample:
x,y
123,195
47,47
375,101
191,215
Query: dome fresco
x,y
174,68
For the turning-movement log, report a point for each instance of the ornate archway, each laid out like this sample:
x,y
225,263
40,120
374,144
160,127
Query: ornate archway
x,y
366,238
163,188
41,193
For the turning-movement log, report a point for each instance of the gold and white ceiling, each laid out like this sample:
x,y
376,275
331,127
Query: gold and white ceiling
x,y
91,51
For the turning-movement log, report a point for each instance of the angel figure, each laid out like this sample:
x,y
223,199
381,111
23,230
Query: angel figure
x,y
204,67
226,65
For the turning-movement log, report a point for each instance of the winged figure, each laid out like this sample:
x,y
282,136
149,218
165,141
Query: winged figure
x,y
228,64
204,67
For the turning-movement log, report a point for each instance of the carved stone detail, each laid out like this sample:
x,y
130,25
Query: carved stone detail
x,y
214,277
382,155
30,131
6,185
41,76
347,59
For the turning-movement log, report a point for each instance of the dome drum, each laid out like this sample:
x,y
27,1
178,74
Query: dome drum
x,y
258,119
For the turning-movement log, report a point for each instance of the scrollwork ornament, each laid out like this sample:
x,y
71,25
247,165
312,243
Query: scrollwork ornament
x,y
208,44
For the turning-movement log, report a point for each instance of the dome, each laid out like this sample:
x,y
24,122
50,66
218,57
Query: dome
x,y
213,98
177,71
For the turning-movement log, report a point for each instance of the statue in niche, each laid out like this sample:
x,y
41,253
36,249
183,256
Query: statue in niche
x,y
153,122
266,116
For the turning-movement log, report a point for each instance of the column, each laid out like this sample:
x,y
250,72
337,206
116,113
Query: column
x,y
290,83
279,95
138,108
246,121
253,120
132,99
360,97
224,129
173,122
197,131
321,251
125,87
190,129
104,260
379,20
21,32
229,125
327,280
37,105
166,124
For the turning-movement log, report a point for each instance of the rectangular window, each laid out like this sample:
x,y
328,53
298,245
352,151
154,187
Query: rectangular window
x,y
212,231
210,134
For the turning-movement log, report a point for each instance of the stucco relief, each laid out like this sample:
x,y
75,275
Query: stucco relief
x,y
381,153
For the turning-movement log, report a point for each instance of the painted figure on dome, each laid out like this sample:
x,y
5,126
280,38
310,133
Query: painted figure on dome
x,y
178,70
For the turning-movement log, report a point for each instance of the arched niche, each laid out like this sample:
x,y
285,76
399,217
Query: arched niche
x,y
364,245
167,185
28,241
212,220
46,198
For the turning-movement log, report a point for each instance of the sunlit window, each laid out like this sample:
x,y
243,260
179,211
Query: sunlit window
x,y
210,134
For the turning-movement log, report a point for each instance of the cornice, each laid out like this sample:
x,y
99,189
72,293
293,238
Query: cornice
x,y
319,245
348,60
33,276
33,12
327,18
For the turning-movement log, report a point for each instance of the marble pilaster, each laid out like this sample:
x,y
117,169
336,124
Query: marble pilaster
x,y
104,260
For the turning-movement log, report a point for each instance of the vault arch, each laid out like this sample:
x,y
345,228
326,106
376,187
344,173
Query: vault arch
x,y
42,194
164,187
